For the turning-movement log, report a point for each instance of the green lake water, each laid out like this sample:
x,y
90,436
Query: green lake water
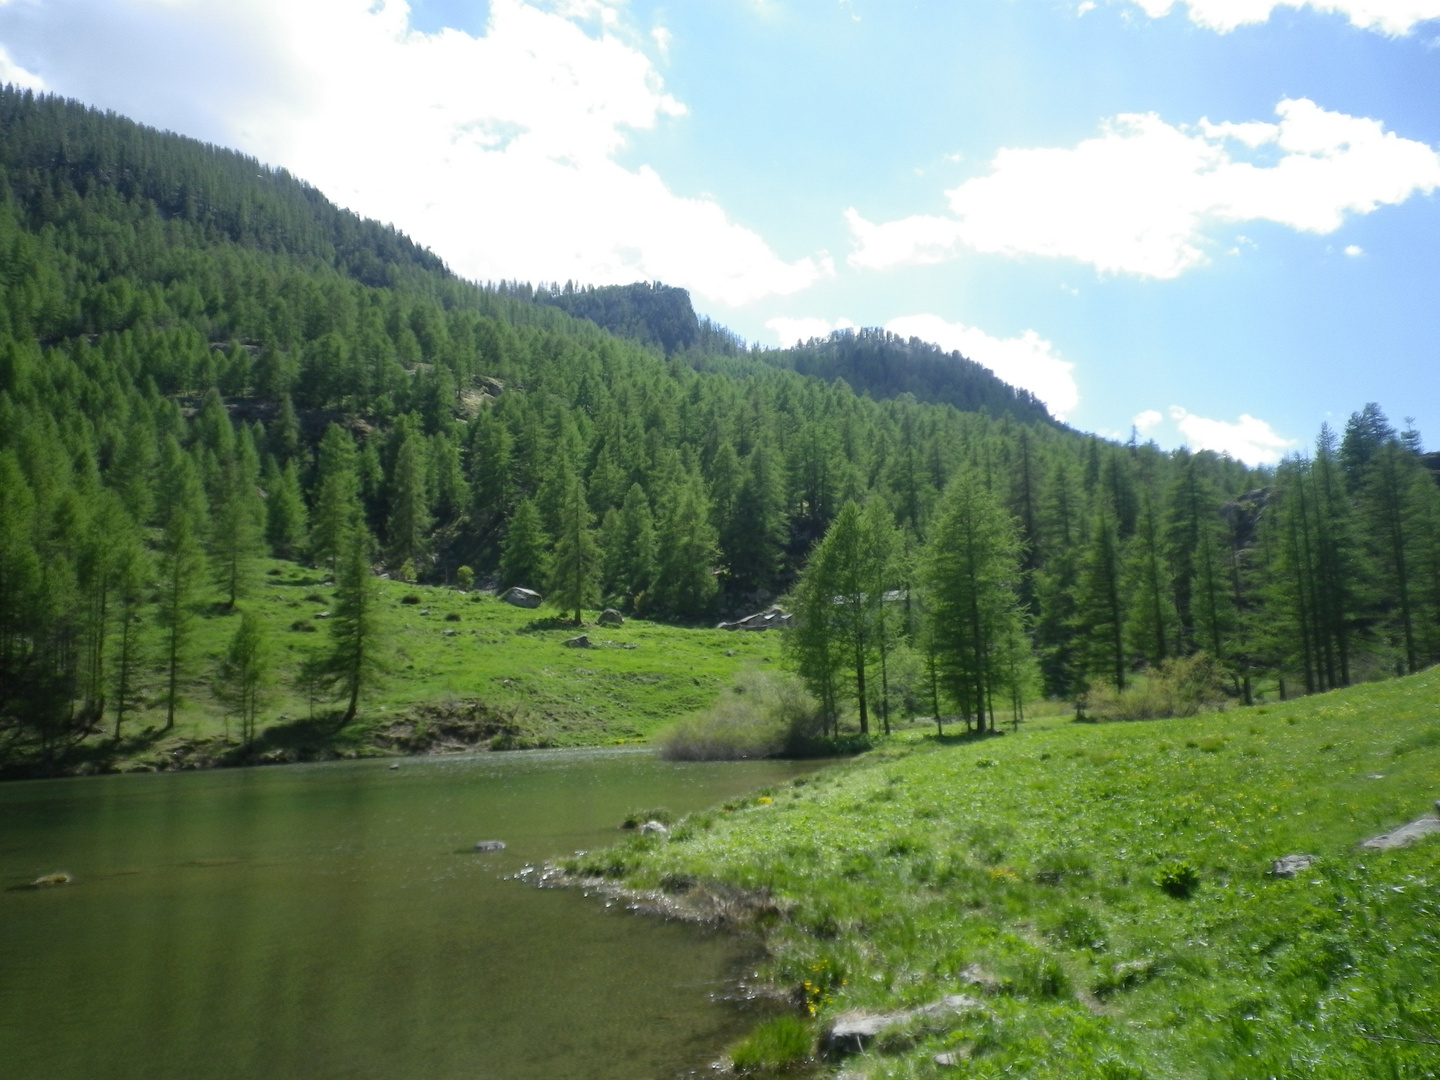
x,y
334,921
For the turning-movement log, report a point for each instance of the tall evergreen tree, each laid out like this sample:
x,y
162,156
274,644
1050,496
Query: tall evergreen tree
x,y
575,566
686,552
337,498
525,555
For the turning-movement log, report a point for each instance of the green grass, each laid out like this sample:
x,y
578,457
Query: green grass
x,y
1111,882
637,678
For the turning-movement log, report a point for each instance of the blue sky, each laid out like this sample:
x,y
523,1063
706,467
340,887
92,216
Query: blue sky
x,y
1217,221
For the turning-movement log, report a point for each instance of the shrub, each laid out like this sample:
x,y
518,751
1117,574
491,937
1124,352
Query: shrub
x,y
1178,879
761,715
410,598
465,578
775,1044
1180,687
452,617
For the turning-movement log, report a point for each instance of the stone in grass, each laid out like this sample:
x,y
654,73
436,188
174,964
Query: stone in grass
x,y
1291,865
952,1058
655,827
1406,834
518,597
851,1032
490,845
611,617
581,641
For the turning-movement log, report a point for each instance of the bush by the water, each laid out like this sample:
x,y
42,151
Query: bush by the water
x,y
1181,687
775,1044
764,714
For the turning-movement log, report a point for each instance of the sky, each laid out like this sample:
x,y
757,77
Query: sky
x,y
1214,223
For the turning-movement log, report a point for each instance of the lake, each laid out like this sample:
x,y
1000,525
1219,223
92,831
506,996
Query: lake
x,y
333,920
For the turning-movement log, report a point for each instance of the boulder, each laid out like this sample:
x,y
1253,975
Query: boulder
x,y
851,1032
1405,835
1291,865
611,617
526,598
655,827
770,619
490,845
580,641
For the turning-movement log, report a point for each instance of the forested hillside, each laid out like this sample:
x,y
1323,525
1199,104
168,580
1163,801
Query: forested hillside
x,y
203,361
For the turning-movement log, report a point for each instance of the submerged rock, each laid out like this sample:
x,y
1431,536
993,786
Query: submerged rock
x,y
49,881
655,827
490,845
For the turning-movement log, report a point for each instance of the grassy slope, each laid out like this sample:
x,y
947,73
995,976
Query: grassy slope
x,y
1034,855
509,657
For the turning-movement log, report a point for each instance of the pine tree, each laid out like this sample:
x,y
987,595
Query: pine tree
x,y
972,570
244,676
410,520
286,524
1100,605
525,554
238,521
181,568
337,498
1151,616
687,550
353,662
575,567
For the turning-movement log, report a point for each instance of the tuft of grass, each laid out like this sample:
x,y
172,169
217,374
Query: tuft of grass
x,y
1178,879
635,818
781,1043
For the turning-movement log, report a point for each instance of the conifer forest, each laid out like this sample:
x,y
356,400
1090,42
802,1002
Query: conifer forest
x,y
205,364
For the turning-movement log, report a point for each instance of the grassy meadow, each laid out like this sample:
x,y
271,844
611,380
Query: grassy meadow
x,y
442,650
1103,891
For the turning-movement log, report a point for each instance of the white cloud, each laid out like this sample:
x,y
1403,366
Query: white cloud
x,y
1140,197
499,151
11,72
797,331
1248,439
1146,420
1393,17
1028,361
1354,250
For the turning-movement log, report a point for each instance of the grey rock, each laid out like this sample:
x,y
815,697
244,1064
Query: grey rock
x,y
322,614
655,827
518,597
394,766
978,977
611,617
580,641
850,1032
1291,865
1405,835
490,845
952,1058
770,619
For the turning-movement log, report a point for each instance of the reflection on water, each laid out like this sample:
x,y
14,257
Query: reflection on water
x,y
333,921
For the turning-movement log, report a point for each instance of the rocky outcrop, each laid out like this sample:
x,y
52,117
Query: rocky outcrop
x,y
526,598
580,641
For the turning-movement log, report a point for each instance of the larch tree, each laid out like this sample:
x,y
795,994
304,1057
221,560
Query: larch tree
x,y
575,565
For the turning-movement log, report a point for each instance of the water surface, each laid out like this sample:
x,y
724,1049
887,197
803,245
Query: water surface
x,y
332,921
